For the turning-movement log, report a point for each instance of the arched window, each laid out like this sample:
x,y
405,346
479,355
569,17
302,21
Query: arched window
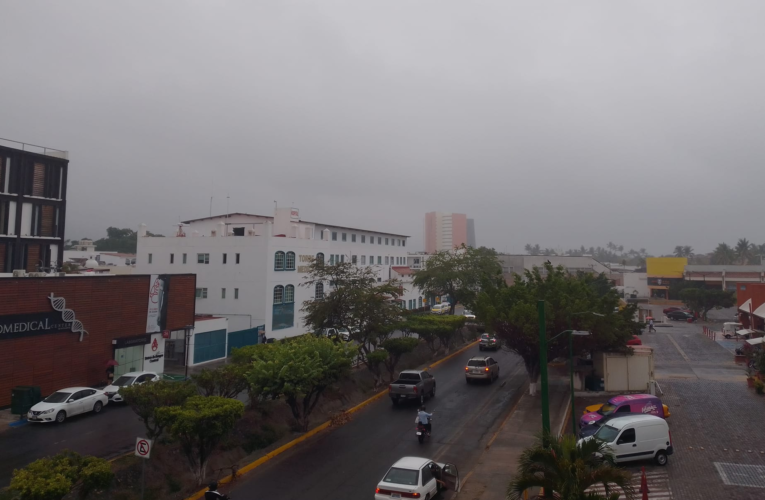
x,y
319,293
320,258
290,262
278,294
279,261
289,294
420,306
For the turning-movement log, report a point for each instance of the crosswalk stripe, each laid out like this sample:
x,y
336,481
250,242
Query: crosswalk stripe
x,y
658,486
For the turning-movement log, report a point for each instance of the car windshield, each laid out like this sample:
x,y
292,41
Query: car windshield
x,y
607,409
607,434
402,476
58,397
467,312
476,362
342,330
124,381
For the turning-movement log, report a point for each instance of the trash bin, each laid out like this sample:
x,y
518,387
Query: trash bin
x,y
24,397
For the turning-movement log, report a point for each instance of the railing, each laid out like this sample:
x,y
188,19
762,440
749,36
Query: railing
x,y
34,148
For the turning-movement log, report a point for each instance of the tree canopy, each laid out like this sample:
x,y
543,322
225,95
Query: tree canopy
x,y
120,240
145,399
459,273
299,371
570,300
705,299
437,331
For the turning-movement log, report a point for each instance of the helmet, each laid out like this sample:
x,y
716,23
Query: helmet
x,y
422,408
213,486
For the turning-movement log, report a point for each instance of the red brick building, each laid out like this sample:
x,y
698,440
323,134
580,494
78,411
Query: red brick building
x,y
57,332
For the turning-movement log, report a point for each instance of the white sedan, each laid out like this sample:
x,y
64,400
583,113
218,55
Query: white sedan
x,y
415,477
129,379
468,314
66,403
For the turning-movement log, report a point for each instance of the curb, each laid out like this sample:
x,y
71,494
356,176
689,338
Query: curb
x,y
267,457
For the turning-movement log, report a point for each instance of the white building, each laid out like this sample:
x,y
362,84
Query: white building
x,y
251,268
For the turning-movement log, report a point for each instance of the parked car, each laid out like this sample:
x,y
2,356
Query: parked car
x,y
339,332
488,342
629,403
66,403
680,316
668,310
127,380
589,430
412,384
468,314
635,340
415,477
637,437
481,368
440,309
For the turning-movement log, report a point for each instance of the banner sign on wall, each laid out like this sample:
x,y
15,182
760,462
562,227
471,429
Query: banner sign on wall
x,y
156,315
60,320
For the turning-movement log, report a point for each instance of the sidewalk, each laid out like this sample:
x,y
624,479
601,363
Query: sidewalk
x,y
490,476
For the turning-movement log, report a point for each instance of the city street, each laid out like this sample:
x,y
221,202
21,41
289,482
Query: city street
x,y
107,434
348,462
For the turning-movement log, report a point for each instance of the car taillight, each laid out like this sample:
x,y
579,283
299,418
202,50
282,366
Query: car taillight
x,y
415,389
486,369
390,388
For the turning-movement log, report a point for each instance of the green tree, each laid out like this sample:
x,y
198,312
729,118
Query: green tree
x,y
395,348
227,381
354,299
566,469
299,371
511,312
52,478
460,274
199,426
146,399
435,331
723,254
705,299
743,251
120,240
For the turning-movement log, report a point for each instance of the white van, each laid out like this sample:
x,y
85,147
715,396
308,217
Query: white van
x,y
637,437
440,309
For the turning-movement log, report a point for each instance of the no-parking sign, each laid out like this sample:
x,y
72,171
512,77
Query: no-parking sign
x,y
142,447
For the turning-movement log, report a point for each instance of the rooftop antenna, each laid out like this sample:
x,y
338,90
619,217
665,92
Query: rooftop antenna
x,y
211,206
227,197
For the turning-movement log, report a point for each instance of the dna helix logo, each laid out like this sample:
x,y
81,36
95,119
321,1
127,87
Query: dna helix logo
x,y
59,304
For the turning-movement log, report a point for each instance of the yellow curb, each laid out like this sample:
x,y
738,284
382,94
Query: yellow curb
x,y
120,456
265,458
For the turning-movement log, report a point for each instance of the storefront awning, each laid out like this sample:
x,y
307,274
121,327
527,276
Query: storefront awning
x,y
746,306
744,331
760,311
756,341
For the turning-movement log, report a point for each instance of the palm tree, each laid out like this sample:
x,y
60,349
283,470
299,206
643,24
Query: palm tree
x,y
566,470
743,250
723,254
678,252
688,251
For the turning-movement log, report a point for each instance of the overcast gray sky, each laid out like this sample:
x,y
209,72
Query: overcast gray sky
x,y
558,123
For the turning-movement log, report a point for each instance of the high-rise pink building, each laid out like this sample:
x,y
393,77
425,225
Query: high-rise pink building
x,y
445,231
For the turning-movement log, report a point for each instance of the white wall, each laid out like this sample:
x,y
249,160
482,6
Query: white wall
x,y
637,282
154,358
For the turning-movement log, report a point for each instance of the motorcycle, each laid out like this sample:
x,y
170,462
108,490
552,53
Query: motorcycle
x,y
421,431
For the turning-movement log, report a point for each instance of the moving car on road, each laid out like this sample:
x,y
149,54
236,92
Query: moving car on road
x,y
339,332
66,403
415,477
668,310
481,368
440,309
127,380
488,342
468,314
412,385
680,316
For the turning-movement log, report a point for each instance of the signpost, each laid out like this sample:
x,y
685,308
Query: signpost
x,y
143,450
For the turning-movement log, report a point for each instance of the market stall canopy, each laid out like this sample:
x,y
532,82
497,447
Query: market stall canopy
x,y
745,331
756,341
760,311
746,306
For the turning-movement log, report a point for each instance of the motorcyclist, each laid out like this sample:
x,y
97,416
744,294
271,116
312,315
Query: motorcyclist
x,y
213,494
424,418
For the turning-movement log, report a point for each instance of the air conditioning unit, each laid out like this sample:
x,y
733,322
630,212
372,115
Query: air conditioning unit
x,y
19,273
37,275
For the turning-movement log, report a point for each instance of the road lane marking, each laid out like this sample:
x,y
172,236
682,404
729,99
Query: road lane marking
x,y
686,358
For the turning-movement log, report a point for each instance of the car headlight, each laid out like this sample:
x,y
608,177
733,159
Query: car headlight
x,y
46,412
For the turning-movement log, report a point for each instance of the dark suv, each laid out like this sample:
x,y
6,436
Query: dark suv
x,y
489,342
680,316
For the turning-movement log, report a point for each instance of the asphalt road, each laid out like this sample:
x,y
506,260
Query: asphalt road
x,y
108,434
348,462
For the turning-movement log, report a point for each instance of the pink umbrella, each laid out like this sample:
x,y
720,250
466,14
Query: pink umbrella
x,y
111,362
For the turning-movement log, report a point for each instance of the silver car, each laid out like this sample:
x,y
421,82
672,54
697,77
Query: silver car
x,y
482,368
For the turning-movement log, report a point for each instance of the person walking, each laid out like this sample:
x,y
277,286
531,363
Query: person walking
x,y
650,326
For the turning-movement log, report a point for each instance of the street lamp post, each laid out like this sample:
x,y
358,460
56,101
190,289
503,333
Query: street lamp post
x,y
571,333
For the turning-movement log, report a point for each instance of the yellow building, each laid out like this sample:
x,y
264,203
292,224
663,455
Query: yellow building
x,y
662,271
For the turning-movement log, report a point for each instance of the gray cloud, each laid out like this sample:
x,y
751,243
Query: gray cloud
x,y
556,123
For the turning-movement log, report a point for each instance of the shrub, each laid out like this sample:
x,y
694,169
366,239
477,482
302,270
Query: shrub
x,y
96,474
263,438
51,478
759,387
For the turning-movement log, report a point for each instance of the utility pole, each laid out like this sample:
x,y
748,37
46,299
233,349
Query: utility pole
x,y
543,368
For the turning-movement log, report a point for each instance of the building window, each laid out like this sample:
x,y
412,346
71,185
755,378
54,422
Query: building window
x,y
236,294
222,293
203,258
386,260
332,260
342,257
150,256
379,240
284,307
371,240
320,258
363,238
363,260
334,236
318,293
289,294
225,257
353,259
236,260
201,293
278,294
279,261
172,258
403,243
353,238
420,306
386,241
290,262
184,258
379,260
344,237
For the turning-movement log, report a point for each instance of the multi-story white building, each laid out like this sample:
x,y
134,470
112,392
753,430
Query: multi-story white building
x,y
252,269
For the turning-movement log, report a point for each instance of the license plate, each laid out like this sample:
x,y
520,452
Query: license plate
x,y
395,495
33,419
419,433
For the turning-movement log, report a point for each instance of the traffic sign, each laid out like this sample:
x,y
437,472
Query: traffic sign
x,y
143,447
